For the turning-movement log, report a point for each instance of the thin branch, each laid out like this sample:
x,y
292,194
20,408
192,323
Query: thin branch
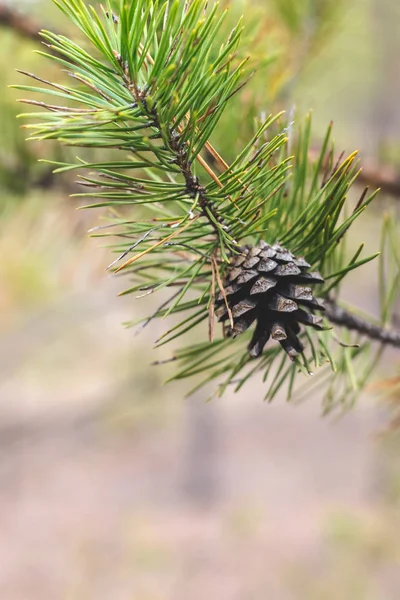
x,y
193,187
23,25
28,28
210,148
380,176
20,23
342,317
373,175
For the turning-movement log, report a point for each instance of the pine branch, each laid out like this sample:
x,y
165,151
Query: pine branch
x,y
380,176
352,322
182,157
149,86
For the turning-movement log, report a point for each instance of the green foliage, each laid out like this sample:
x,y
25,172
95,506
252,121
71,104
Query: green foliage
x,y
18,162
312,15
150,83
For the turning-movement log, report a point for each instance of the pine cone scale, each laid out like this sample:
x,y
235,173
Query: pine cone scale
x,y
262,285
267,265
278,332
243,307
282,304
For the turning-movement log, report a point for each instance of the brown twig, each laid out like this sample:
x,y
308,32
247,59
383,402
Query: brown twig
x,y
381,176
20,23
343,318
373,175
24,26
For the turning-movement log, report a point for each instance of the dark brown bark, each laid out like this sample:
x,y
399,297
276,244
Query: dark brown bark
x,y
344,318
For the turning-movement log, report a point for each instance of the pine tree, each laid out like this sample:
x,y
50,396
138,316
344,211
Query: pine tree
x,y
241,242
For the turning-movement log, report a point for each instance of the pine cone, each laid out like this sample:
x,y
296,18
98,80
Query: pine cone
x,y
269,285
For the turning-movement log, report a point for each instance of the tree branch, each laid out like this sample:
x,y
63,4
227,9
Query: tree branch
x,y
339,316
182,158
380,176
373,175
376,175
21,23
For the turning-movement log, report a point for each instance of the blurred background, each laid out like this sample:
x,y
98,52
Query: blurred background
x,y
114,486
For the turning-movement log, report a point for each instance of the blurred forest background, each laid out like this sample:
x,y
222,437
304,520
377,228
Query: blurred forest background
x,y
115,487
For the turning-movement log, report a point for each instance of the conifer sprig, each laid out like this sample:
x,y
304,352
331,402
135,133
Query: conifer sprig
x,y
149,86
